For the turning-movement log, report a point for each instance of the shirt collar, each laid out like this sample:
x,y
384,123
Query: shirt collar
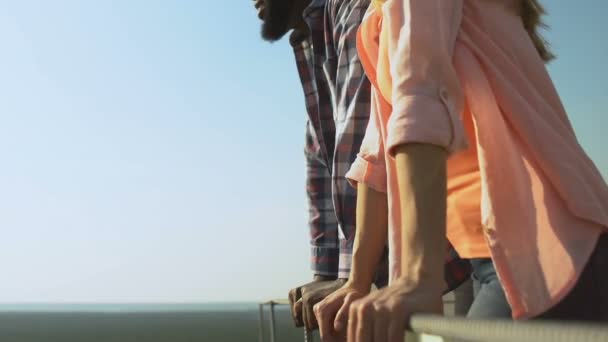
x,y
314,5
309,14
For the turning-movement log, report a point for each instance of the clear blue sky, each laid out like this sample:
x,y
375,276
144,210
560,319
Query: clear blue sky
x,y
144,159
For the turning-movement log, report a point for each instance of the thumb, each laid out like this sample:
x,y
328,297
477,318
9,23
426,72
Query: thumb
x,y
296,313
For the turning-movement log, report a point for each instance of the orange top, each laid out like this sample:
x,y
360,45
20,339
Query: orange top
x,y
464,229
543,201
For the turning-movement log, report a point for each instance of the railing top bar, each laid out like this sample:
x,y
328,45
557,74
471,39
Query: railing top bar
x,y
506,330
276,302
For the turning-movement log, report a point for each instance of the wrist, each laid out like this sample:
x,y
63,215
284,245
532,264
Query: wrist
x,y
323,277
432,285
358,284
362,273
342,281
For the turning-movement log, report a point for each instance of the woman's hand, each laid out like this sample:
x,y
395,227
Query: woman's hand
x,y
384,315
370,239
332,312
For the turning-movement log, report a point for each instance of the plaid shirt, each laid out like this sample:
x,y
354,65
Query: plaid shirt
x,y
337,94
338,104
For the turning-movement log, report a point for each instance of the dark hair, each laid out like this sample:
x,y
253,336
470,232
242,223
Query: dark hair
x,y
531,13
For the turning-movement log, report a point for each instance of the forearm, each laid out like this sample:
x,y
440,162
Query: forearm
x,y
421,173
370,236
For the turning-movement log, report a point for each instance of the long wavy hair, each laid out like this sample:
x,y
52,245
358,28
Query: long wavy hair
x,y
531,14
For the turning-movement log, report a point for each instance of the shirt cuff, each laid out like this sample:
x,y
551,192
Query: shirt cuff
x,y
324,260
346,258
427,120
364,171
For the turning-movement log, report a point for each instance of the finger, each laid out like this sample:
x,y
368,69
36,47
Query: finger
x,y
314,323
292,301
297,314
293,298
396,326
305,315
381,324
303,311
341,320
365,322
352,323
297,307
325,312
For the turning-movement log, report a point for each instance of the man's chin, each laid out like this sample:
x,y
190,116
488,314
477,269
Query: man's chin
x,y
276,19
273,32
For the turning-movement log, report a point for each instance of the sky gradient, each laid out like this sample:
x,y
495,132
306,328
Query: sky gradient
x,y
152,151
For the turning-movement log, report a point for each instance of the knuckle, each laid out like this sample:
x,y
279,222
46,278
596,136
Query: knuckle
x,y
365,308
381,310
393,306
305,298
310,303
354,307
315,298
350,297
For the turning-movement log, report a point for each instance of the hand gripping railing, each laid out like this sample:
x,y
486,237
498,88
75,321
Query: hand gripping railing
x,y
452,329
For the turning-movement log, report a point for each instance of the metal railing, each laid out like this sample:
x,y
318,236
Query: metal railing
x,y
462,329
271,305
459,329
308,335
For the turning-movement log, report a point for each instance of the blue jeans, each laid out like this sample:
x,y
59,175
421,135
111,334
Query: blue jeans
x,y
489,297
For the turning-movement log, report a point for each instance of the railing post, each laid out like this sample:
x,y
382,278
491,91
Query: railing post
x,y
261,324
272,328
308,336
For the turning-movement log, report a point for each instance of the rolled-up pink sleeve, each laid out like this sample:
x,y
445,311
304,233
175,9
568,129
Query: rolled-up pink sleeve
x,y
426,95
370,165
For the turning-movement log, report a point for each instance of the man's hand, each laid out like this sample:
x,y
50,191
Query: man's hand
x,y
384,315
332,312
260,5
303,298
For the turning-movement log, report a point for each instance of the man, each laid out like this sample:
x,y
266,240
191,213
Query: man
x,y
337,101
337,93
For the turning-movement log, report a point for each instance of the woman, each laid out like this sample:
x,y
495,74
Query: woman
x,y
467,122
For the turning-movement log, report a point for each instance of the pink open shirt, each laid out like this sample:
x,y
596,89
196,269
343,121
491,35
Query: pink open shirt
x,y
544,203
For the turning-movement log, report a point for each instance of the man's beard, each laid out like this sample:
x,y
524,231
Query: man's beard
x,y
277,15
